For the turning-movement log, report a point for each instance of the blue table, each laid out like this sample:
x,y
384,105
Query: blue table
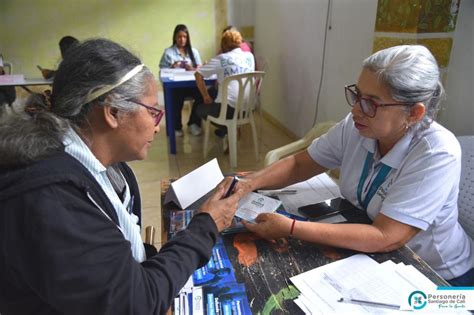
x,y
168,86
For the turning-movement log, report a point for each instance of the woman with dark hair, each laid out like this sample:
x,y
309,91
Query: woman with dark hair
x,y
65,44
70,205
182,55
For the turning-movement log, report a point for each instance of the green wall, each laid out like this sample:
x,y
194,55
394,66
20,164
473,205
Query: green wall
x,y
30,29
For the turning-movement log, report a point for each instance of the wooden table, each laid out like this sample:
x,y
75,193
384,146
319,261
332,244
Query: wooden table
x,y
266,267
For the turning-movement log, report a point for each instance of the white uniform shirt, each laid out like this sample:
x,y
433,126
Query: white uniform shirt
x,y
421,189
230,63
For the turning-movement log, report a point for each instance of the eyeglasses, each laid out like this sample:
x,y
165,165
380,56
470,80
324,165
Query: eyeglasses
x,y
156,113
367,105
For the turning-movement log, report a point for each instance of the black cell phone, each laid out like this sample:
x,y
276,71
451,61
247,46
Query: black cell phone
x,y
325,209
231,187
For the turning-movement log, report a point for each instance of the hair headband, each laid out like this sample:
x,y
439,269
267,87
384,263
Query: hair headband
x,y
107,88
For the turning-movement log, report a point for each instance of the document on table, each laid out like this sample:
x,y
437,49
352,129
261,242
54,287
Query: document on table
x,y
183,76
253,204
313,190
358,277
12,78
170,72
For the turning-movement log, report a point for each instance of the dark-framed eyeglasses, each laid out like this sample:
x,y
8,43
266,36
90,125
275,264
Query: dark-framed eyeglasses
x,y
367,105
156,113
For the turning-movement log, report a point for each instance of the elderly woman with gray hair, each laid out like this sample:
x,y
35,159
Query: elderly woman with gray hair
x,y
396,163
70,206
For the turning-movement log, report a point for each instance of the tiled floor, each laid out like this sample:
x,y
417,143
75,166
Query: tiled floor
x,y
159,164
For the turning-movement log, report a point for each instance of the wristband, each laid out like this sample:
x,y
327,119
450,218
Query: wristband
x,y
292,228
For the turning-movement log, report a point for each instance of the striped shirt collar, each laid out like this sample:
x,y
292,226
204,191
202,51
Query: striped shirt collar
x,y
78,149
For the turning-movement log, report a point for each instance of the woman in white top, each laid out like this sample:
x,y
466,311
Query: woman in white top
x,y
182,55
232,61
396,163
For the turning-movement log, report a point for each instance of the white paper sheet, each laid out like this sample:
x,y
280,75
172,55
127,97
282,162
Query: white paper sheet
x,y
357,277
195,184
314,190
253,204
183,76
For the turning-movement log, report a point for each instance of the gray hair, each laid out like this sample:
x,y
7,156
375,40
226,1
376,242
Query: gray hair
x,y
25,138
411,74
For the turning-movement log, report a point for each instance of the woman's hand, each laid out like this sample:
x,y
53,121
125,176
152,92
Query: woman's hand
x,y
222,210
176,64
245,184
188,67
208,99
271,226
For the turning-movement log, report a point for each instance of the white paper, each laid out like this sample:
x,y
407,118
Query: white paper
x,y
12,78
314,190
357,277
253,204
167,72
195,184
303,304
198,305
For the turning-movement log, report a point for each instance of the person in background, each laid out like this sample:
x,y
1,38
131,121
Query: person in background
x,y
65,43
396,163
232,61
7,93
69,204
245,45
182,55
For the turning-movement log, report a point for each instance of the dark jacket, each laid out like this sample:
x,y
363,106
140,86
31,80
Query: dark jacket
x,y
7,95
60,254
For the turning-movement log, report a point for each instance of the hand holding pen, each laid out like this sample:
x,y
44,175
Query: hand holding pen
x,y
229,191
222,204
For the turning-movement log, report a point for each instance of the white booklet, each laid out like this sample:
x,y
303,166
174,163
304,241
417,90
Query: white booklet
x,y
253,204
195,184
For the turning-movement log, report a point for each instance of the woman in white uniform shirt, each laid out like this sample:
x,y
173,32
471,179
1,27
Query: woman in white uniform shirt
x,y
232,61
396,163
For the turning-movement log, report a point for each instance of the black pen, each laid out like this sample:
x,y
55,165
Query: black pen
x,y
231,187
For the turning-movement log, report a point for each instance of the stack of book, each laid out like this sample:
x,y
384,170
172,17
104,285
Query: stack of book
x,y
212,289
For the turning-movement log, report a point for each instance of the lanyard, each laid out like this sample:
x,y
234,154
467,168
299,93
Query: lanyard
x,y
379,179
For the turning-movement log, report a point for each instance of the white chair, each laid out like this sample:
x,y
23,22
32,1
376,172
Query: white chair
x,y
243,114
260,65
298,145
5,65
466,185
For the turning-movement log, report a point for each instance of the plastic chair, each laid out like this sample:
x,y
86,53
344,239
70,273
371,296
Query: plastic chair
x,y
9,66
466,185
5,65
298,145
243,114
